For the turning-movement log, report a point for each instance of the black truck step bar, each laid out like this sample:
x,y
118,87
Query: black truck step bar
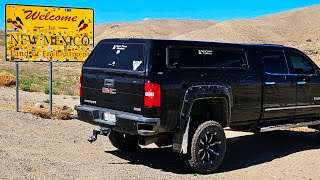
x,y
287,126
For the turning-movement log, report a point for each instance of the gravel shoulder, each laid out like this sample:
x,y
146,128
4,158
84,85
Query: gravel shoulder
x,y
36,148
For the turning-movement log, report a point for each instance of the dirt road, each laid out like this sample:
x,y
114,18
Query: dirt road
x,y
35,148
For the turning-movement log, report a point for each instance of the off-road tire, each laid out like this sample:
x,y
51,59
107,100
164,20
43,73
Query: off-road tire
x,y
123,142
207,148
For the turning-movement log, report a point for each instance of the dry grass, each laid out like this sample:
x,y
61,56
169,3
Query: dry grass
x,y
43,113
7,79
58,114
63,114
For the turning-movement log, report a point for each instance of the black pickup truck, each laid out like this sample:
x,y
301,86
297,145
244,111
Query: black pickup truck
x,y
184,93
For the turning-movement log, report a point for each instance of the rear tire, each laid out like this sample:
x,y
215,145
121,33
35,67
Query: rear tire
x,y
124,142
207,148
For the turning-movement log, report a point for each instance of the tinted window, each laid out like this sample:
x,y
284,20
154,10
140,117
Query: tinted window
x,y
204,57
274,62
117,56
300,64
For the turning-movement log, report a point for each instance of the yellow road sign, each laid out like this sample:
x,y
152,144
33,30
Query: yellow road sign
x,y
42,33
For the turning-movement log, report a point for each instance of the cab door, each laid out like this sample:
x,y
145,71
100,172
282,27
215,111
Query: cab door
x,y
279,88
308,83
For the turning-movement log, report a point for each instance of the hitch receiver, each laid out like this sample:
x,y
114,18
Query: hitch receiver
x,y
95,133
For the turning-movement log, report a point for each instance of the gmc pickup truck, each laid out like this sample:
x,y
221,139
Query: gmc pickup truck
x,y
184,93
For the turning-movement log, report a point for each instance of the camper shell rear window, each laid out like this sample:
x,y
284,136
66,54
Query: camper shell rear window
x,y
121,56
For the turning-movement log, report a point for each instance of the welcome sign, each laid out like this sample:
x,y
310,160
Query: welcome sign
x,y
41,33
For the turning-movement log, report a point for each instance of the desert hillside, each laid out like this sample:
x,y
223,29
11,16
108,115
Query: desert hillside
x,y
150,28
299,28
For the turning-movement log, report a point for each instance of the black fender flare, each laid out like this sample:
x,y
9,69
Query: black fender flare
x,y
194,93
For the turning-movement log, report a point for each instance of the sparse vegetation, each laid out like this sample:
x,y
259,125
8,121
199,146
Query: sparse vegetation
x,y
34,77
25,84
46,89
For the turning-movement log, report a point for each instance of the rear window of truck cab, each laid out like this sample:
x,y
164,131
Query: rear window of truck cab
x,y
122,56
186,57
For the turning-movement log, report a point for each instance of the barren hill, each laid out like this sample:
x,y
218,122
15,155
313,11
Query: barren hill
x,y
150,28
299,28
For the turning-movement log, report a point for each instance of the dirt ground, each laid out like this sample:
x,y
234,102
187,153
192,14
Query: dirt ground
x,y
36,148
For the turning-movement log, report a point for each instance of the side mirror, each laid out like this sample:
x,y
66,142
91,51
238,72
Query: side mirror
x,y
318,72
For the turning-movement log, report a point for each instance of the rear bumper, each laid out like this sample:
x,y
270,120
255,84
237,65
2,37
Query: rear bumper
x,y
128,123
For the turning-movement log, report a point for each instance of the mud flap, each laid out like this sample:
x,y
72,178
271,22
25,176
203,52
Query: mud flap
x,y
180,140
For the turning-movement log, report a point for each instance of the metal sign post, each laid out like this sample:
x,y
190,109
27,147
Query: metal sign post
x,y
17,86
50,88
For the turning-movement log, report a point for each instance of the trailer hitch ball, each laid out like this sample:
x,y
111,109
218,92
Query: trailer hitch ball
x,y
95,133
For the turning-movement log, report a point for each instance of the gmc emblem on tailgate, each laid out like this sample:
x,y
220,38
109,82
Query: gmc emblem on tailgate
x,y
109,90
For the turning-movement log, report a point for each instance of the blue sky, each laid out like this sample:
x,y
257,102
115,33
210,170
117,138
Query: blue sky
x,y
133,10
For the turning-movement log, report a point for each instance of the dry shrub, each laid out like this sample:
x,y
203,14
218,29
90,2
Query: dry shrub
x,y
63,114
43,113
7,79
60,114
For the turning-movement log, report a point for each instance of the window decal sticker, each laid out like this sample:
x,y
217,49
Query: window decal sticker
x,y
205,52
136,64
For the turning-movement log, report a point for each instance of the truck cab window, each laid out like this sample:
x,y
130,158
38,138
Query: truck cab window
x,y
300,64
274,62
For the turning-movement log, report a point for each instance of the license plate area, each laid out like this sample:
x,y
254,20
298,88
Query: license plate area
x,y
109,117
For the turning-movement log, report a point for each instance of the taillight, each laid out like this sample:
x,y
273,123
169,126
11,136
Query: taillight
x,y
152,94
80,89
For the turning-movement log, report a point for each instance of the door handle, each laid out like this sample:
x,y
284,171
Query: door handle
x,y
270,83
301,82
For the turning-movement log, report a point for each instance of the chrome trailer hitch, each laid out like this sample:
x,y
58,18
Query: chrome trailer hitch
x,y
95,133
